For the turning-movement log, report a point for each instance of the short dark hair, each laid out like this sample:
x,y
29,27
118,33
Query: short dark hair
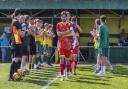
x,y
63,13
46,24
50,25
26,17
17,12
103,18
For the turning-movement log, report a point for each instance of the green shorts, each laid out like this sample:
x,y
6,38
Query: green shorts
x,y
37,46
45,47
41,48
103,52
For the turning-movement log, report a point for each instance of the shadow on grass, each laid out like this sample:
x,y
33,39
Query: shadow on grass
x,y
86,68
121,70
54,84
93,78
41,77
91,82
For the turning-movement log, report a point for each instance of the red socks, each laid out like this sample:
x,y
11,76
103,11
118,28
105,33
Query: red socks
x,y
75,65
68,67
62,69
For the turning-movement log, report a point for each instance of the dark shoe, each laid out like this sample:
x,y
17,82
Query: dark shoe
x,y
98,70
50,64
38,68
10,79
26,72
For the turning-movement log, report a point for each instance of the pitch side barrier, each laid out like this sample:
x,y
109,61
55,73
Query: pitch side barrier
x,y
117,54
86,54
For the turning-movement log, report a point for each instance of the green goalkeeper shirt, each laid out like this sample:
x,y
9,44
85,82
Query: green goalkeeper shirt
x,y
104,36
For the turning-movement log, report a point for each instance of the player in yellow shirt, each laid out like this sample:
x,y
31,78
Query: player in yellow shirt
x,y
49,38
44,43
95,34
38,24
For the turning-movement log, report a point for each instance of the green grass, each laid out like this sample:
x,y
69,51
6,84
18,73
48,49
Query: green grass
x,y
85,79
35,80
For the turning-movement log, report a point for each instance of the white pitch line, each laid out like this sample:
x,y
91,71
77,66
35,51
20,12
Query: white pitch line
x,y
49,82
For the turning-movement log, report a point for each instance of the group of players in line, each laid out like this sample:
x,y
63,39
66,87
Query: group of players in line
x,y
32,41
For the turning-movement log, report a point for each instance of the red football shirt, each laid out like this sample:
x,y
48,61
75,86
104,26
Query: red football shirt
x,y
64,41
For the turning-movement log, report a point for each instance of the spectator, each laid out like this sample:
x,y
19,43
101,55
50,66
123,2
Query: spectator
x,y
123,43
4,44
123,35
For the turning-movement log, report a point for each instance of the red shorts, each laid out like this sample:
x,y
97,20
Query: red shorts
x,y
65,52
75,50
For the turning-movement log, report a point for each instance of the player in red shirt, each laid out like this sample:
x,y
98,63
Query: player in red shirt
x,y
62,29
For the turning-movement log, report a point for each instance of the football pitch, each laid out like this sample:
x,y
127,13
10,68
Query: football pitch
x,y
85,79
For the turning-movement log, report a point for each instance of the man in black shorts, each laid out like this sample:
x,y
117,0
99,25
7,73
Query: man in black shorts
x,y
17,33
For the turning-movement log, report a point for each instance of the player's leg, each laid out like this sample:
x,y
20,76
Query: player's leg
x,y
107,61
62,57
75,54
100,53
33,53
98,65
44,56
19,56
67,56
42,53
16,62
103,63
49,55
62,66
33,60
30,61
23,64
30,57
24,58
110,65
38,55
65,72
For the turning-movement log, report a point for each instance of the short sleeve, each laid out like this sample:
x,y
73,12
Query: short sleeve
x,y
17,24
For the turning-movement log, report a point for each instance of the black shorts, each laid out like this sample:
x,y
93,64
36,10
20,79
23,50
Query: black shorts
x,y
17,50
25,50
32,50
